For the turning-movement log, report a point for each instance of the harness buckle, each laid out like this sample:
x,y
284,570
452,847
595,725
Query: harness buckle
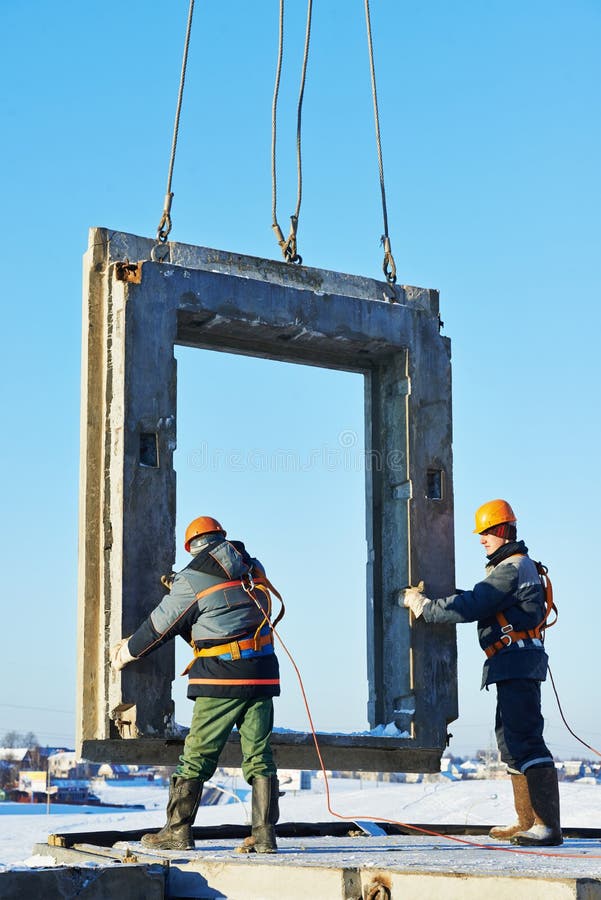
x,y
506,636
247,583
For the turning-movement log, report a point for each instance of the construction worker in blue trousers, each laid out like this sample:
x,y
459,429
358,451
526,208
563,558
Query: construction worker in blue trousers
x,y
510,607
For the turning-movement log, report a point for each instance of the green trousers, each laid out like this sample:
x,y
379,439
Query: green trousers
x,y
212,722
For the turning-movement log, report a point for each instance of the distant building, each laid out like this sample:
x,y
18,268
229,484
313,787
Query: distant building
x,y
571,768
294,779
13,754
113,771
62,764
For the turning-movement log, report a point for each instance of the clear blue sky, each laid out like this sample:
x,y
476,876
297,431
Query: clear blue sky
x,y
491,141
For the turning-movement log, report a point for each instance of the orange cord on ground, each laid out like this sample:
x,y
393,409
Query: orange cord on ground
x,y
416,828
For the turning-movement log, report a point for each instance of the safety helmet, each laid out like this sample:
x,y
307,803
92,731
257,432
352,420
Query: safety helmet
x,y
495,512
201,525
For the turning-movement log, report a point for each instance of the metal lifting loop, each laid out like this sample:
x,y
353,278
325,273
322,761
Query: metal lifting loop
x,y
388,265
289,246
165,223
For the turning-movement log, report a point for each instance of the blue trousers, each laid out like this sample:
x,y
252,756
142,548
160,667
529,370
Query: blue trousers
x,y
519,725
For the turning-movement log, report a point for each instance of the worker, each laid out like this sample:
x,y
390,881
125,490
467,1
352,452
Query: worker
x,y
219,603
510,608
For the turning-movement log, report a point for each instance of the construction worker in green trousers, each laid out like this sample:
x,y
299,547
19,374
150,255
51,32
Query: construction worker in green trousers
x,y
511,609
220,604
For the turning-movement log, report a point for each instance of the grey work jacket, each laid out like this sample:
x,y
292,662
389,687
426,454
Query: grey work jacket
x,y
512,586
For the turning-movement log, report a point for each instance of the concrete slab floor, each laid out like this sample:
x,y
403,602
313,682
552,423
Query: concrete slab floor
x,y
419,866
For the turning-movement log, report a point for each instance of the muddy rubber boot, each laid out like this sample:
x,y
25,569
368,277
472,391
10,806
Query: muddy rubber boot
x,y
523,808
182,806
265,814
544,794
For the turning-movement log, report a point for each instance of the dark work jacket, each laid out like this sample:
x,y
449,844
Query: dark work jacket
x,y
512,586
219,617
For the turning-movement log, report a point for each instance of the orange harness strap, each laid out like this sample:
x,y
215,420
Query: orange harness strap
x,y
218,587
510,636
262,582
258,641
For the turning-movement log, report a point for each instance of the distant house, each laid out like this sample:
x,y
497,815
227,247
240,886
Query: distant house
x,y
47,752
13,755
571,769
12,759
62,764
29,758
8,772
113,771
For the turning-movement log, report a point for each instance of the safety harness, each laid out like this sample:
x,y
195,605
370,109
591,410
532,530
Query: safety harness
x,y
510,636
261,637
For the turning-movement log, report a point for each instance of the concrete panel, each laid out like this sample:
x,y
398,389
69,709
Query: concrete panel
x,y
291,751
97,883
135,310
348,868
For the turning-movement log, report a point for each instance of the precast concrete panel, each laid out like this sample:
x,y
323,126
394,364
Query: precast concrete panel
x,y
140,300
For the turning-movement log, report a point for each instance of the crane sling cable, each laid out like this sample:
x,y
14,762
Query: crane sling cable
x,y
288,246
388,266
370,818
165,224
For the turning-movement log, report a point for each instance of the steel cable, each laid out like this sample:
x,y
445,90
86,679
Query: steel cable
x,y
289,245
388,265
274,109
300,109
165,223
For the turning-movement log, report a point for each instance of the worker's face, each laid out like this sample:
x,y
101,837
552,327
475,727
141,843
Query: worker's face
x,y
491,542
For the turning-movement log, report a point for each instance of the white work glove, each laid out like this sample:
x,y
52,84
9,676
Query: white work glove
x,y
414,599
120,655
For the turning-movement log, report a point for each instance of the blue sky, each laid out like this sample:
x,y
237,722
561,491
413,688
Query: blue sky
x,y
491,141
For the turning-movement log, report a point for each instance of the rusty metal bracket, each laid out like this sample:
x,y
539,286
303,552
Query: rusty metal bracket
x,y
124,717
126,271
379,889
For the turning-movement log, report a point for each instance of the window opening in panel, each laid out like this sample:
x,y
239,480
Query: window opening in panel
x,y
275,452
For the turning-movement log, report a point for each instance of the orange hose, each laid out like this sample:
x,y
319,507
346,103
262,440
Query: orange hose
x,y
416,828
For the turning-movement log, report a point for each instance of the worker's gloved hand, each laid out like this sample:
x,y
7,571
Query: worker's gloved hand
x,y
414,599
167,580
120,655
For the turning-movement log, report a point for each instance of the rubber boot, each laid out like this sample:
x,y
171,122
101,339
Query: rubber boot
x,y
265,814
523,808
182,806
544,794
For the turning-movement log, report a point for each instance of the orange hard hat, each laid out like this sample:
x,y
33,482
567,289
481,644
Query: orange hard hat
x,y
495,512
201,525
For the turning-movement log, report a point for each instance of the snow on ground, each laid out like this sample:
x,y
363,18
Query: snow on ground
x,y
457,802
